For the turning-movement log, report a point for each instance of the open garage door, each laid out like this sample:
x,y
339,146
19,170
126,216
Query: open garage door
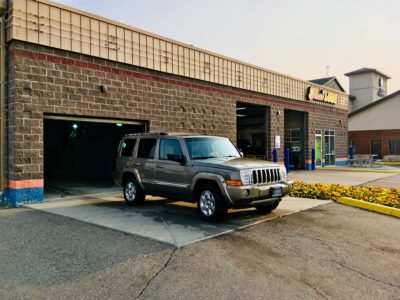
x,y
295,138
79,153
251,122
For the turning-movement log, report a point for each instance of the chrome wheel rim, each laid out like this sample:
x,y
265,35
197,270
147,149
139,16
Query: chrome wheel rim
x,y
207,203
130,191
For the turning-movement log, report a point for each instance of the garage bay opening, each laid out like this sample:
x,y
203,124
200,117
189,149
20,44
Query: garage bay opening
x,y
251,125
80,153
295,138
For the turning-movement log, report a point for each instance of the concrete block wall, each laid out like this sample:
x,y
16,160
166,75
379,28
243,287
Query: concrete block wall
x,y
44,80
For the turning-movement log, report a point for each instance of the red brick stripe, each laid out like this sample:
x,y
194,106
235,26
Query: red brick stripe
x,y
341,158
116,71
24,184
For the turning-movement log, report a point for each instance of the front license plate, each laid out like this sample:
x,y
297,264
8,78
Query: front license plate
x,y
276,191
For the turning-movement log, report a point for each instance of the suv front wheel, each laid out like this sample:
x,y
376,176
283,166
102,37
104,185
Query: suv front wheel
x,y
210,203
133,193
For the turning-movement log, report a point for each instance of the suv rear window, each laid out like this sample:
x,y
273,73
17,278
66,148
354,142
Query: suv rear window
x,y
170,147
127,147
147,148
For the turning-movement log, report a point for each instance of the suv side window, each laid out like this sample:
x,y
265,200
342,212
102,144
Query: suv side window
x,y
147,148
127,147
169,147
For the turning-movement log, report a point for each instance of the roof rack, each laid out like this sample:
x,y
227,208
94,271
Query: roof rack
x,y
146,133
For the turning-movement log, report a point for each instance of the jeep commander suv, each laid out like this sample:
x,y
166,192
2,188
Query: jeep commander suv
x,y
208,170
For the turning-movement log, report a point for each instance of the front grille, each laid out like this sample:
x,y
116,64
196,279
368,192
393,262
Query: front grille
x,y
263,176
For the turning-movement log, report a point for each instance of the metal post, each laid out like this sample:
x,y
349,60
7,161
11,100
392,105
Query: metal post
x,y
351,152
287,158
313,159
275,153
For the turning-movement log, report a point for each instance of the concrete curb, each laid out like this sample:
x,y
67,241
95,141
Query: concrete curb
x,y
395,212
357,170
388,163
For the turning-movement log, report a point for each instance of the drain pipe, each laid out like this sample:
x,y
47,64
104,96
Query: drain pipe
x,y
3,10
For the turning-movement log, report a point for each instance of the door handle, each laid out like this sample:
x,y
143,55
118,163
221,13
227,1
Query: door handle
x,y
159,166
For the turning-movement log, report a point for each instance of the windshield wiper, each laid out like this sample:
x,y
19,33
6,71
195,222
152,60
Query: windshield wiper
x,y
231,156
204,157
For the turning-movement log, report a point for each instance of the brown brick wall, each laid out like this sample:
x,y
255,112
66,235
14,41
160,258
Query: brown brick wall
x,y
51,81
363,139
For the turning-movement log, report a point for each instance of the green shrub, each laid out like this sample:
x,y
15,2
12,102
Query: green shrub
x,y
388,197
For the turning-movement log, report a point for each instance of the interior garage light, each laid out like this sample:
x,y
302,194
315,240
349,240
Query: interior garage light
x,y
240,116
240,108
75,126
119,124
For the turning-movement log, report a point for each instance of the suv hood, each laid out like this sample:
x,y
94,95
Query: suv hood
x,y
234,163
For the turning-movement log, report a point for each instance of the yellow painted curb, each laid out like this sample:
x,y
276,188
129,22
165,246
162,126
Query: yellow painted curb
x,y
356,170
396,212
370,206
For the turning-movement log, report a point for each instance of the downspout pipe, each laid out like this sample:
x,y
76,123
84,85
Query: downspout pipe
x,y
3,11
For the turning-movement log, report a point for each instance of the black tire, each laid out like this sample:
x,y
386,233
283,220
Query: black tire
x,y
133,193
210,203
268,207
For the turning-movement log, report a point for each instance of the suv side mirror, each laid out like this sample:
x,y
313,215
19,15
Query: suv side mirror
x,y
178,158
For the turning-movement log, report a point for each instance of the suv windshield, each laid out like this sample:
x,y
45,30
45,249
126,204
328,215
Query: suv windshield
x,y
210,147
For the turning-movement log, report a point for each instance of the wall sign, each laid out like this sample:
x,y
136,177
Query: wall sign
x,y
277,141
318,94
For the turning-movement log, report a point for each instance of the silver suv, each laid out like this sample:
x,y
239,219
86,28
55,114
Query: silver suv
x,y
208,170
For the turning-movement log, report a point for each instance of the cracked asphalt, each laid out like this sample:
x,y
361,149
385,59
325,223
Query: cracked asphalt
x,y
329,252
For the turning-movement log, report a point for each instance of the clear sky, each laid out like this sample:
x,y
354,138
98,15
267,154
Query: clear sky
x,y
297,38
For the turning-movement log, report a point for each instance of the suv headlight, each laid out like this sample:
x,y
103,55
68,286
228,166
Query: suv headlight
x,y
282,171
246,176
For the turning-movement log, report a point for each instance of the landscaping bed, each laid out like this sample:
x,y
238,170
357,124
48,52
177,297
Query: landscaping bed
x,y
387,197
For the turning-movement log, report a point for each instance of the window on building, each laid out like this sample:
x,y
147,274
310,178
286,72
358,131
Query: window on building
x,y
376,148
394,147
127,147
146,148
329,147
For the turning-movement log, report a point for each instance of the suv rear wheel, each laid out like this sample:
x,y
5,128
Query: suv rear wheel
x,y
210,203
133,193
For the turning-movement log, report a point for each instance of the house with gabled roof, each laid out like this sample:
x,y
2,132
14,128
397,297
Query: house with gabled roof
x,y
374,122
331,82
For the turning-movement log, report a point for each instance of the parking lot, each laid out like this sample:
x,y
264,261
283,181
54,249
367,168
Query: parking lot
x,y
175,223
178,223
92,245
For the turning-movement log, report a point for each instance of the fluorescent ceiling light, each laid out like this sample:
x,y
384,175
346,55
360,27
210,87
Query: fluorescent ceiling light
x,y
240,116
240,108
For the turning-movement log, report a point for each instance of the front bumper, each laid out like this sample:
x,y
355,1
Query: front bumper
x,y
253,195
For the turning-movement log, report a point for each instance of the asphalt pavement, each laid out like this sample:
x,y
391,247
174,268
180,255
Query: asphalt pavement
x,y
45,256
328,252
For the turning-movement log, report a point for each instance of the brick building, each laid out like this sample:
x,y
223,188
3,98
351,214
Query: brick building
x,y
374,124
75,83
